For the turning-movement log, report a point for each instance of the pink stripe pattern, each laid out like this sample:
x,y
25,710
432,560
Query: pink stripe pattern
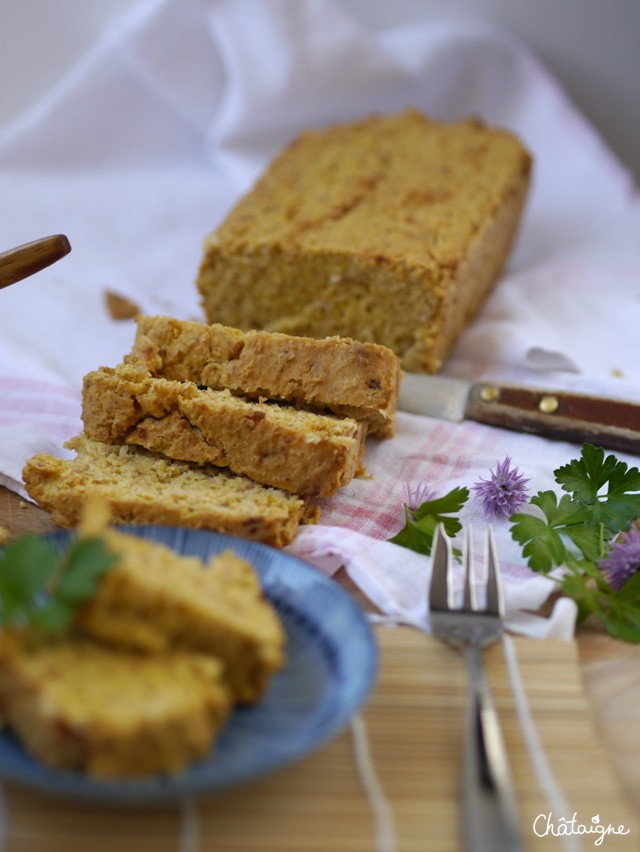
x,y
51,408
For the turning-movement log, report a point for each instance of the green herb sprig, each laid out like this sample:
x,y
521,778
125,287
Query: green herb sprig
x,y
41,587
575,533
420,523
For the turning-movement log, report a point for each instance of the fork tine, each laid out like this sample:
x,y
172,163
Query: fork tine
x,y
495,603
440,558
468,596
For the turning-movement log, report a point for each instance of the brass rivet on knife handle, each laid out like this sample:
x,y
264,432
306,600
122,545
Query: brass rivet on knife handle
x,y
490,393
548,404
29,258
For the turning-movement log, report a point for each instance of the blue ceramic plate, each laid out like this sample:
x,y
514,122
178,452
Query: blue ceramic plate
x,y
331,666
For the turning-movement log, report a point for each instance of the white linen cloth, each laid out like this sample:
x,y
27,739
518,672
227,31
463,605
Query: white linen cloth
x,y
140,150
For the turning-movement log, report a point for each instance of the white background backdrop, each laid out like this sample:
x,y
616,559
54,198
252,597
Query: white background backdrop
x,y
592,45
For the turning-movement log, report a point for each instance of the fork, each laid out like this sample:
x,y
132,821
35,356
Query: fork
x,y
490,820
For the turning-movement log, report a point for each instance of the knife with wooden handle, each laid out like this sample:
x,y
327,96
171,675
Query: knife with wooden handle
x,y
22,261
605,422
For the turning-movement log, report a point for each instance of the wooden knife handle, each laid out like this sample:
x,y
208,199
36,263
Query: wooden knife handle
x,y
609,423
24,260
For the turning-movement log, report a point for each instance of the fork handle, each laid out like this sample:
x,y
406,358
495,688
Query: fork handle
x,y
490,810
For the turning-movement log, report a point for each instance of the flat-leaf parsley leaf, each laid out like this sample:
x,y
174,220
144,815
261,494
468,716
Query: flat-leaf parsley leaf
x,y
41,587
421,522
618,506
577,533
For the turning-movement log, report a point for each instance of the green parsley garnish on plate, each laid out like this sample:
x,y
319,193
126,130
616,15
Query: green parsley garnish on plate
x,y
41,588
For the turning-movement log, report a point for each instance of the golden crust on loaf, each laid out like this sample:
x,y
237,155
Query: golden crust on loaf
x,y
299,451
77,704
141,488
392,229
154,601
346,377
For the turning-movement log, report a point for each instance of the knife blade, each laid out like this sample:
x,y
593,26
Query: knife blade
x,y
20,262
575,417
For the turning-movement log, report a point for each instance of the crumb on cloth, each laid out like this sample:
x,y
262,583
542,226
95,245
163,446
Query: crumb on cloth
x,y
119,307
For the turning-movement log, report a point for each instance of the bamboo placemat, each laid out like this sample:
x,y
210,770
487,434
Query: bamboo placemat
x,y
414,722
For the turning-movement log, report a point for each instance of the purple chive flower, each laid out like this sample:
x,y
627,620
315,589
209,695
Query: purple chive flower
x,y
504,492
418,494
622,560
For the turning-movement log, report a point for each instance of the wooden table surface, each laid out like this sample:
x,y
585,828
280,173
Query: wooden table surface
x,y
584,697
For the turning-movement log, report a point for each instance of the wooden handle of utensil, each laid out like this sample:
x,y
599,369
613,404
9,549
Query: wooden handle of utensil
x,y
24,260
610,423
